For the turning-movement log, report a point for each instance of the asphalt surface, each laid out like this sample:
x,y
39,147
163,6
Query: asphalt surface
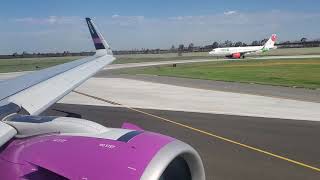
x,y
297,140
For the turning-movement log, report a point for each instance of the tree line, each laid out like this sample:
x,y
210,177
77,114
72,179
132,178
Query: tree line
x,y
181,48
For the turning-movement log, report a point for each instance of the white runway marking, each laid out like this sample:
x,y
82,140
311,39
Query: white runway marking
x,y
147,95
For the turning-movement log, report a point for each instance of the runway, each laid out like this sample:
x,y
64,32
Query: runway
x,y
224,160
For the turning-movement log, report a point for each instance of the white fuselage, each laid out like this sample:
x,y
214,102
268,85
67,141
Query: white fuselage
x,y
240,52
232,50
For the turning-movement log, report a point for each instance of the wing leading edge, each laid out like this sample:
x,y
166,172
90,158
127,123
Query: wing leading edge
x,y
37,91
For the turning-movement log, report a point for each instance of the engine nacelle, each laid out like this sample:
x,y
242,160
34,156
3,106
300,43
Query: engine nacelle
x,y
236,55
61,147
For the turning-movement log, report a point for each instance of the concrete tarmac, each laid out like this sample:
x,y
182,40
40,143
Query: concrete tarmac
x,y
301,94
150,95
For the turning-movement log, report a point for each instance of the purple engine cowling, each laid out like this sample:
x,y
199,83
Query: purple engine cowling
x,y
137,155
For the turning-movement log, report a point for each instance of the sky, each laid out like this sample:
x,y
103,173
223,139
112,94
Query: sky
x,y
55,26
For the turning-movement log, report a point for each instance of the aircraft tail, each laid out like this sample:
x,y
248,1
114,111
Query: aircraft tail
x,y
99,42
270,43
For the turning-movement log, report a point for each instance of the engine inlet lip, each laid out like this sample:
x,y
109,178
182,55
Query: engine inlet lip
x,y
167,154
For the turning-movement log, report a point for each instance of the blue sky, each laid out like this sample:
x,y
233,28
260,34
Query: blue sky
x,y
58,25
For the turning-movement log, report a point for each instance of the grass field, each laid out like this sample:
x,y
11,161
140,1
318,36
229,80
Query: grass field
x,y
294,73
31,64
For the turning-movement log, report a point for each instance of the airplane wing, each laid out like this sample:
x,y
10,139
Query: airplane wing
x,y
49,147
36,91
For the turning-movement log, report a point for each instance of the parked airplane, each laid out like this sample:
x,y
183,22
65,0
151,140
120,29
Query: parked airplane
x,y
240,52
39,147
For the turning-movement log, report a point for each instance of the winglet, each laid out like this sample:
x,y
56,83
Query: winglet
x,y
98,40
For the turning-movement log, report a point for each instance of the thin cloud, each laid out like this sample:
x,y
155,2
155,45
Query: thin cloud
x,y
51,20
228,13
115,15
124,21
